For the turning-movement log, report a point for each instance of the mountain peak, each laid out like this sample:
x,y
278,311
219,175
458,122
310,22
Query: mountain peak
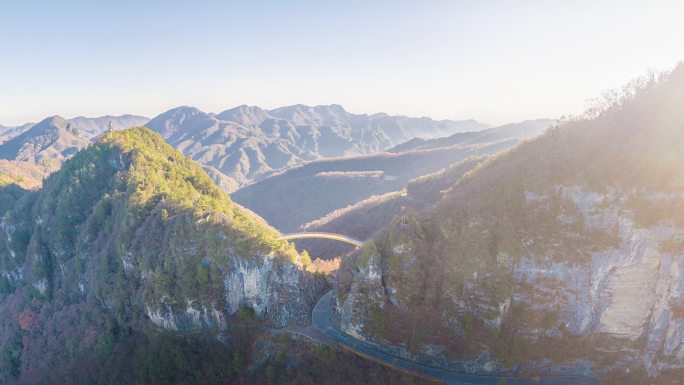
x,y
124,217
47,141
55,120
244,114
181,120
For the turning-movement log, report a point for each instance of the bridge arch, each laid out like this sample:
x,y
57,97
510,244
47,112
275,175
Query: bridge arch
x,y
322,235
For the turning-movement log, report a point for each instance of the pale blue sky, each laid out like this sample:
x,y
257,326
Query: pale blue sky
x,y
495,61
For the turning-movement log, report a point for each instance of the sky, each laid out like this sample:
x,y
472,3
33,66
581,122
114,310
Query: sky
x,y
494,61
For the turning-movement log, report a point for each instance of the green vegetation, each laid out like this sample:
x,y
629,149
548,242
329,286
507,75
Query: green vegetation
x,y
365,254
562,198
378,322
10,192
10,356
467,323
138,185
128,224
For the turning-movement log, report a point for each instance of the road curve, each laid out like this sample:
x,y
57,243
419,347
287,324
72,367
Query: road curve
x,y
322,235
321,319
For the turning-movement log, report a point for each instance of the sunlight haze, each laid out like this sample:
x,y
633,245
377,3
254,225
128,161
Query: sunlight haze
x,y
341,192
497,62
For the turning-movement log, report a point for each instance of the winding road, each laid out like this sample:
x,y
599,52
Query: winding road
x,y
326,333
321,318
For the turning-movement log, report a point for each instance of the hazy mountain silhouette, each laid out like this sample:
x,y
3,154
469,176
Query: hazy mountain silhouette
x,y
246,143
301,194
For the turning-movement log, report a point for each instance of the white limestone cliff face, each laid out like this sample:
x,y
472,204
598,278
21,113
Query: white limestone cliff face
x,y
279,293
196,316
631,292
366,294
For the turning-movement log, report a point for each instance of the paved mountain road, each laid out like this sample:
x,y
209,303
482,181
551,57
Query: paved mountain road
x,y
321,318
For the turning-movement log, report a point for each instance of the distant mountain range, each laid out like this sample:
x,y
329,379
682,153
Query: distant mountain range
x,y
241,144
526,129
10,132
298,195
54,139
92,127
247,143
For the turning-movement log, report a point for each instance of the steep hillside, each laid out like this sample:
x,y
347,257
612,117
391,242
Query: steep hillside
x,y
301,194
25,174
563,255
50,141
11,190
363,219
246,143
127,238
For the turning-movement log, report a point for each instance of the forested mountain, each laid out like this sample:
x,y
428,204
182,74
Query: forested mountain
x,y
236,146
127,238
301,194
246,143
564,255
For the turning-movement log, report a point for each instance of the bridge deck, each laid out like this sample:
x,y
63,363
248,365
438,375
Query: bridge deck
x,y
322,235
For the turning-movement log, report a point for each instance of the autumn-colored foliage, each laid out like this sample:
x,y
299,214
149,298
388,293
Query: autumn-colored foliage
x,y
27,319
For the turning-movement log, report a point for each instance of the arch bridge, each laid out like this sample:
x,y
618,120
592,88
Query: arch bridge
x,y
322,235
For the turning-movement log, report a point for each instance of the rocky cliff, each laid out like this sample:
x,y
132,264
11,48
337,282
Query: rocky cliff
x,y
563,255
129,232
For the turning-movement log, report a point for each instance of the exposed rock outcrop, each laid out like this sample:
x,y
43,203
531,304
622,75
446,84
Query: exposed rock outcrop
x,y
563,255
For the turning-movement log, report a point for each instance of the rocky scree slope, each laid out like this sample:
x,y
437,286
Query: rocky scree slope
x,y
565,255
247,143
130,232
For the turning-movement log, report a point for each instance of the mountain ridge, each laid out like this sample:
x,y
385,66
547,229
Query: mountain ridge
x,y
55,138
532,261
48,140
247,142
330,184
